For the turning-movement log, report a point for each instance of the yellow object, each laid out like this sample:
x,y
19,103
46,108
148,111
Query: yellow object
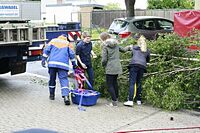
x,y
59,42
135,90
70,98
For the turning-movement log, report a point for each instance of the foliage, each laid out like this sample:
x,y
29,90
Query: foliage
x,y
95,31
112,6
173,97
172,79
170,4
100,83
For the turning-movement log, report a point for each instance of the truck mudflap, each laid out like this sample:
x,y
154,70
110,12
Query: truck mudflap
x,y
17,67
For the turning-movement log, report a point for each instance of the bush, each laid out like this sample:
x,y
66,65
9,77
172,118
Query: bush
x,y
173,98
172,79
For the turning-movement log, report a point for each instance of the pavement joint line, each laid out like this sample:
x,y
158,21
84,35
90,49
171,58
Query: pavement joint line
x,y
135,121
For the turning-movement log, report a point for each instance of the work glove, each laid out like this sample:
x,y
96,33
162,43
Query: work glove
x,y
74,65
43,63
94,56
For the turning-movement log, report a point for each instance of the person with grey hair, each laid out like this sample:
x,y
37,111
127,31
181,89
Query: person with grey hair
x,y
83,54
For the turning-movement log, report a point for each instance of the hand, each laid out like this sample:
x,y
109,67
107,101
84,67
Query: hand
x,y
75,66
129,48
84,66
43,63
94,56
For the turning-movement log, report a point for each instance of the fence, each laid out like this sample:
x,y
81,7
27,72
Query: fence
x,y
104,18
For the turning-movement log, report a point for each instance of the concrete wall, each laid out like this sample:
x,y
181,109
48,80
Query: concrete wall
x,y
43,6
61,13
85,16
197,5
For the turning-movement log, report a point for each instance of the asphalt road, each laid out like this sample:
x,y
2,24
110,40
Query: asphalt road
x,y
36,68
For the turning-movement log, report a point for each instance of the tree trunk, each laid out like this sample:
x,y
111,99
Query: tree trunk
x,y
130,8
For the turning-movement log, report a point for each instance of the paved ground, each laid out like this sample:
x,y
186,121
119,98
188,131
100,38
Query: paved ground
x,y
24,104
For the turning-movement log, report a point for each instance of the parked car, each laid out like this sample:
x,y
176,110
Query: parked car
x,y
149,26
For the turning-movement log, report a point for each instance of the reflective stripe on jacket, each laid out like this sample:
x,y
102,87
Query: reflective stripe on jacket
x,y
59,53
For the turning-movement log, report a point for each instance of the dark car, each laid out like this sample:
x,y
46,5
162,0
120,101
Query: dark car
x,y
149,26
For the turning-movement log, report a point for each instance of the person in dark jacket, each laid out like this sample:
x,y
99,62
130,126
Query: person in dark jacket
x,y
111,62
83,54
137,67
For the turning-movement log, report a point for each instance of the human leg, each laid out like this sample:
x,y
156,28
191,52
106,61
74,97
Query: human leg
x,y
90,73
64,83
115,83
111,90
139,85
52,82
132,80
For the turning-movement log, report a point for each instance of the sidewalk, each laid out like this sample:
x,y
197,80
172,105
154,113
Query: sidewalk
x,y
24,105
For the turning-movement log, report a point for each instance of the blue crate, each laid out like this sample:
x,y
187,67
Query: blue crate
x,y
90,97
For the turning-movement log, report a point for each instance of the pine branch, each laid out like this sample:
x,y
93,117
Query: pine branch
x,y
172,72
174,57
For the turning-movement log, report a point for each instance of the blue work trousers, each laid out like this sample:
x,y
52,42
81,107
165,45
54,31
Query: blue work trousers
x,y
63,78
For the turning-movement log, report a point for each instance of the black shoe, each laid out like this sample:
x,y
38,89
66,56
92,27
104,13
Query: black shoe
x,y
66,100
52,97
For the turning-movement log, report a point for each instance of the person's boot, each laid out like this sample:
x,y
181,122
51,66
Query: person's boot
x,y
52,97
52,93
66,100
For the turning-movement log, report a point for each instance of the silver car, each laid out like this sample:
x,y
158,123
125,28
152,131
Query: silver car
x,y
149,26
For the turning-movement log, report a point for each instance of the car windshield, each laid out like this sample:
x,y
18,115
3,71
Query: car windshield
x,y
166,25
117,25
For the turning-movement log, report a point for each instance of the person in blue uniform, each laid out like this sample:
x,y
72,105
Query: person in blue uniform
x,y
57,54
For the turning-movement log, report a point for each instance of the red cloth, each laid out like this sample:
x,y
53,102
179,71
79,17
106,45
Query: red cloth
x,y
185,21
